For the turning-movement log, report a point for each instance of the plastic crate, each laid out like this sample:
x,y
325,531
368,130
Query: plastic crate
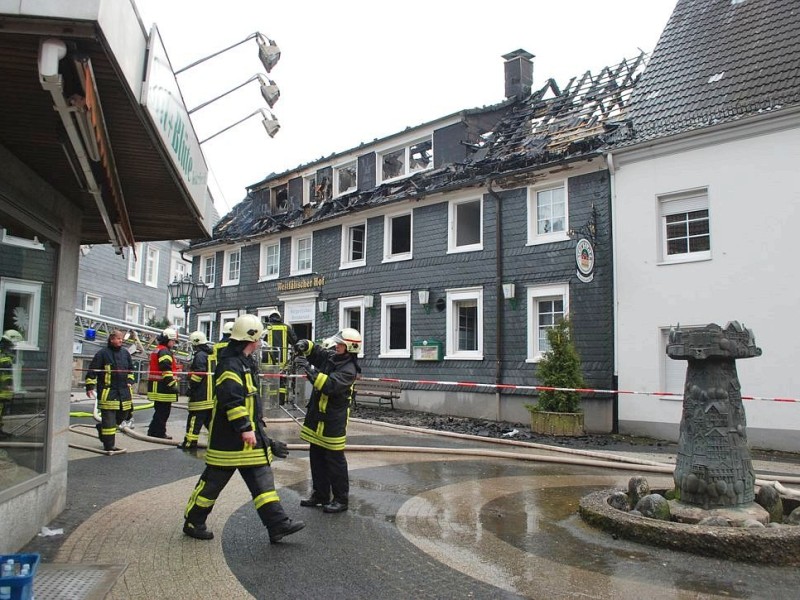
x,y
21,586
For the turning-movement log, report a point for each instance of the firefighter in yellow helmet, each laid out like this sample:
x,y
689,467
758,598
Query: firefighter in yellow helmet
x,y
332,374
9,339
162,385
201,395
238,440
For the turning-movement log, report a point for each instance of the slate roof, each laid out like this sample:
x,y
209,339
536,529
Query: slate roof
x,y
718,61
553,125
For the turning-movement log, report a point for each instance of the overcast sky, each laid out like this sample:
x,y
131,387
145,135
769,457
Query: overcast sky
x,y
352,71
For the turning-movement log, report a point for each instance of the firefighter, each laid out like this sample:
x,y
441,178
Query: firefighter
x,y
238,440
111,373
10,338
226,335
279,338
162,387
332,374
201,397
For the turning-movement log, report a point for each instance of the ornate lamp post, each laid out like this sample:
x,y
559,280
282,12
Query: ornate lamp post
x,y
188,294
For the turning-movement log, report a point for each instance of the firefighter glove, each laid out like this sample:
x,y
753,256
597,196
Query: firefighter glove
x,y
279,449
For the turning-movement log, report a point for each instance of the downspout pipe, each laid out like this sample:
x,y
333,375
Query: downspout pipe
x,y
51,51
612,182
498,292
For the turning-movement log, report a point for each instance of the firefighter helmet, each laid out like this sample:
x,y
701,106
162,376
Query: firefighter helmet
x,y
13,336
227,328
274,316
198,338
247,328
170,334
350,338
327,343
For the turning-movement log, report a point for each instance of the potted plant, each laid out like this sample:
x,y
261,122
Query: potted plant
x,y
558,412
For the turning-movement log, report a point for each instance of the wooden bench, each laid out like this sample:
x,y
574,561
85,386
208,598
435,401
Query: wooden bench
x,y
376,392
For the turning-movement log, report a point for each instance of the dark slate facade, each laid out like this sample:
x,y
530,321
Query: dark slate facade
x,y
502,155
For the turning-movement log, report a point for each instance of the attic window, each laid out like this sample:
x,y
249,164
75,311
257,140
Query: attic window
x,y
280,199
309,188
345,178
400,162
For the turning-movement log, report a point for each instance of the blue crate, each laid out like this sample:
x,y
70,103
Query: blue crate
x,y
21,586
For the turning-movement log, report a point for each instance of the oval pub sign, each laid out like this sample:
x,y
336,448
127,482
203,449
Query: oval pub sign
x,y
584,258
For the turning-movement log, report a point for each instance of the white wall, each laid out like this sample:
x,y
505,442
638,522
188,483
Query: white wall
x,y
754,206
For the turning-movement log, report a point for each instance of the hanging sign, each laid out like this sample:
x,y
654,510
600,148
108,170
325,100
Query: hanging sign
x,y
584,258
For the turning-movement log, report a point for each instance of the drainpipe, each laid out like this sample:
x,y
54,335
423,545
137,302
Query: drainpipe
x,y
498,288
51,51
612,169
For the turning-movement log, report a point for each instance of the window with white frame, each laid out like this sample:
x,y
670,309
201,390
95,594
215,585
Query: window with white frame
x,y
465,324
151,267
179,323
301,254
354,245
91,304
232,267
397,236
396,325
270,262
309,188
280,199
179,267
20,307
208,268
409,159
547,306
548,213
673,372
132,312
205,323
685,229
466,225
344,178
351,314
135,263
148,314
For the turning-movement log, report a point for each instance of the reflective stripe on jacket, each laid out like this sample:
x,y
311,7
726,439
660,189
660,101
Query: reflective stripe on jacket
x,y
111,372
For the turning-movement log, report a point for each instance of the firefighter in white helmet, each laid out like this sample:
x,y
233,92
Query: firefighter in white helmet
x,y
201,397
332,374
162,384
238,440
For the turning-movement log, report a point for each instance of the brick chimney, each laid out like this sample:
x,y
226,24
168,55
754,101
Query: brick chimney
x,y
519,73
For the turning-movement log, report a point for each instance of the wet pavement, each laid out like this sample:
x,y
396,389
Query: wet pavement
x,y
430,521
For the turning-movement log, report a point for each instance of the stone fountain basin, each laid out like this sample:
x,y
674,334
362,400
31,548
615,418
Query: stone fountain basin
x,y
776,545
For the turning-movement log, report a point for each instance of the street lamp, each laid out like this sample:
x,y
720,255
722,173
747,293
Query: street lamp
x,y
268,119
268,52
188,294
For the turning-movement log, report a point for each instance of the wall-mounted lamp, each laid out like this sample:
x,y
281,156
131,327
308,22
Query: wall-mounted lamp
x,y
322,306
369,304
509,293
424,299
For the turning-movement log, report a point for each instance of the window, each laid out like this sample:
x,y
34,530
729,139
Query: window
x,y
270,263
135,263
20,307
397,236
205,323
228,316
685,231
91,304
404,161
354,245
344,179
280,199
396,325
151,267
179,267
208,267
466,226
301,255
673,372
29,243
148,314
232,267
309,189
547,305
179,323
132,312
465,324
351,314
548,214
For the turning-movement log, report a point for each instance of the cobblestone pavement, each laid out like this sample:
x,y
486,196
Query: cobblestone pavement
x,y
500,522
